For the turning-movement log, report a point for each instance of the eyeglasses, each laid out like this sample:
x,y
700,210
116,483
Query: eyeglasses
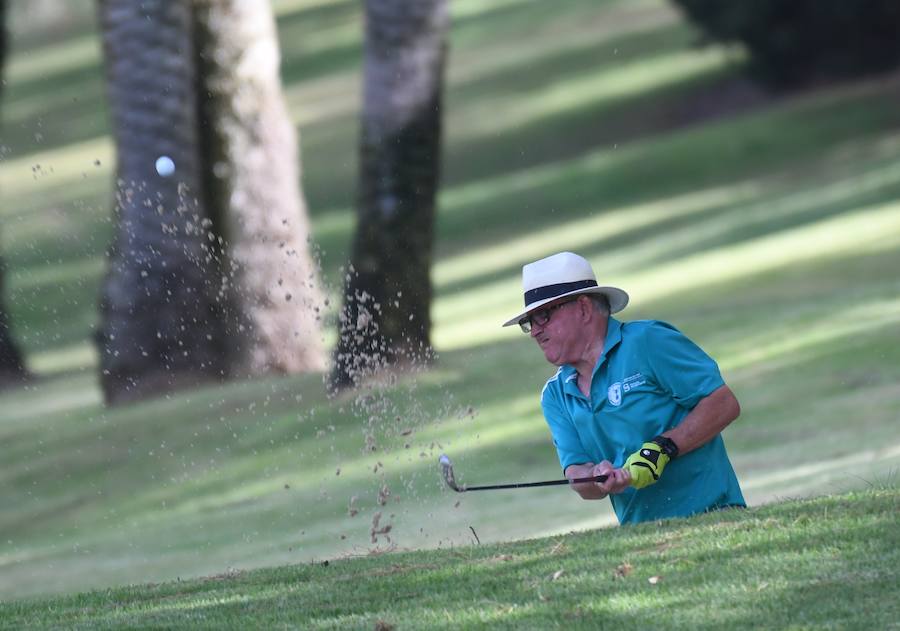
x,y
541,317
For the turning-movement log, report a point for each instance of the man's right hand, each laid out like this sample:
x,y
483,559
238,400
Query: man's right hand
x,y
617,480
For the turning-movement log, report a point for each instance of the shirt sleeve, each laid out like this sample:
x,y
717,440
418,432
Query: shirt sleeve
x,y
568,445
679,366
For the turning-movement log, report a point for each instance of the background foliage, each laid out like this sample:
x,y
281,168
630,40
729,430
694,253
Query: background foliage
x,y
804,41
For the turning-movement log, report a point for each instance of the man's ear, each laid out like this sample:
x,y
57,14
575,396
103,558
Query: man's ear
x,y
587,309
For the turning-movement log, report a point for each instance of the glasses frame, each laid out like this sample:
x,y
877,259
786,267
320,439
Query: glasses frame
x,y
544,313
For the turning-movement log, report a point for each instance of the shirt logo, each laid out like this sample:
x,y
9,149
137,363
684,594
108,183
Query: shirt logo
x,y
635,380
614,394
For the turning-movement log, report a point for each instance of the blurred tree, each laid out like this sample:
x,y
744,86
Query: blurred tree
x,y
210,275
12,366
160,322
253,191
804,41
385,317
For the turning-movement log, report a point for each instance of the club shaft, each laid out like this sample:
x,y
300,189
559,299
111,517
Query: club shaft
x,y
525,485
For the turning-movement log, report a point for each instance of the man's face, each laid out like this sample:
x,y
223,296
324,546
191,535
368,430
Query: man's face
x,y
557,329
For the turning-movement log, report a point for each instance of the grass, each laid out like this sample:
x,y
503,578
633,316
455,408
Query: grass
x,y
830,563
767,229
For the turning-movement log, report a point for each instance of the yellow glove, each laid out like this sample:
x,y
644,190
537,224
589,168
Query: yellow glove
x,y
646,465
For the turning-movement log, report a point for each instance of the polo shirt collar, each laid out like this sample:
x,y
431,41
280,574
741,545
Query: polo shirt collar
x,y
613,337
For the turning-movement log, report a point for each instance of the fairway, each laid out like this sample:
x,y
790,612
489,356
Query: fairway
x,y
824,563
766,229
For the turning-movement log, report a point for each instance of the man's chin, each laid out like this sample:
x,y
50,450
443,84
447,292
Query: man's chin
x,y
552,357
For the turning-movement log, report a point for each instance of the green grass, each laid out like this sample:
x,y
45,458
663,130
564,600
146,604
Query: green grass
x,y
768,230
830,563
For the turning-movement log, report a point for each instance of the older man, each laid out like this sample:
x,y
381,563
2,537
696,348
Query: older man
x,y
635,401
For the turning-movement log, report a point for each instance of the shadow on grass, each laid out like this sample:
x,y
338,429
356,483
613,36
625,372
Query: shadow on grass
x,y
564,62
677,156
755,209
58,123
675,160
558,65
479,27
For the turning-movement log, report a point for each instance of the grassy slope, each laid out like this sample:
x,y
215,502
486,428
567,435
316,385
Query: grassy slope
x,y
831,562
771,236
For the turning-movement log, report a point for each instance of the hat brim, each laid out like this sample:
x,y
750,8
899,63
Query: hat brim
x,y
618,300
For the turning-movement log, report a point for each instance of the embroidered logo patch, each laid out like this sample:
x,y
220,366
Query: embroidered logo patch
x,y
614,394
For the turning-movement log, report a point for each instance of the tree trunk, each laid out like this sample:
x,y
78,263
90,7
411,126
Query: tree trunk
x,y
253,187
159,313
385,318
12,366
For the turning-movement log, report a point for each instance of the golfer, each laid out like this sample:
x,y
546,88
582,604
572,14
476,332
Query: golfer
x,y
636,401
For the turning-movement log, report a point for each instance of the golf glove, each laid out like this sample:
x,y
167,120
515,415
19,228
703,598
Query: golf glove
x,y
646,465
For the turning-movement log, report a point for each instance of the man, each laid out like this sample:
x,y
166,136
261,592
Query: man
x,y
635,401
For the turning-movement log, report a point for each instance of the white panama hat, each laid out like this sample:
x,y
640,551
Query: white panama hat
x,y
563,274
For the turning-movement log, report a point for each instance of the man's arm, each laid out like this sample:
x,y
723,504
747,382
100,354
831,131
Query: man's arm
x,y
587,490
709,417
685,371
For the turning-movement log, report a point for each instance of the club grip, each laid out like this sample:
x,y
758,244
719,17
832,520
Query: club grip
x,y
598,478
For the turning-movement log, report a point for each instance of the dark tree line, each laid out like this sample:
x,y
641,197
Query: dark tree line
x,y
796,42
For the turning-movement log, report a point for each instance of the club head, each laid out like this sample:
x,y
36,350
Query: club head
x,y
447,471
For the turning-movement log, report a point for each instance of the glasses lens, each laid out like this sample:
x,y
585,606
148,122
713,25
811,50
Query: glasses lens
x,y
542,317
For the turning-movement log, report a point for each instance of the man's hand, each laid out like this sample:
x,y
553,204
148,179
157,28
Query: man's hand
x,y
646,465
617,480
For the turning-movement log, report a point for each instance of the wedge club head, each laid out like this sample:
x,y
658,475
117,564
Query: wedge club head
x,y
447,471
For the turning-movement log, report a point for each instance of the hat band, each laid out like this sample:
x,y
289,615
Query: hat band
x,y
552,291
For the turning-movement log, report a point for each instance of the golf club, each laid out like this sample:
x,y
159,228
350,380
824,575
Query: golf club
x,y
450,479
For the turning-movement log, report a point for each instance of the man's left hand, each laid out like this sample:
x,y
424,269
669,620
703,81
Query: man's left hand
x,y
646,465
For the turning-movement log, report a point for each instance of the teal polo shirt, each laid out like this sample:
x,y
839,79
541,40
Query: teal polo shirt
x,y
646,381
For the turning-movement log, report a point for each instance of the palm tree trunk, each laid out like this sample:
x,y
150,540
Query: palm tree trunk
x,y
158,309
254,192
385,319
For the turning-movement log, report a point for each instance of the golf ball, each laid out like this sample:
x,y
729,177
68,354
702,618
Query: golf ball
x,y
164,166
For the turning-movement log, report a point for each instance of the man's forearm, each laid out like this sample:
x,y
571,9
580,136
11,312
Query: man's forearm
x,y
713,414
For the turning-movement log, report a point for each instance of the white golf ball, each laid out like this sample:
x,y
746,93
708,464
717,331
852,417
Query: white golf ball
x,y
165,166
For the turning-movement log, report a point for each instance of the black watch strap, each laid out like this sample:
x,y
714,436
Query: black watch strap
x,y
667,446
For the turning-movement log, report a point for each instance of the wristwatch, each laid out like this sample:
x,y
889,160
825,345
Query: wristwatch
x,y
667,446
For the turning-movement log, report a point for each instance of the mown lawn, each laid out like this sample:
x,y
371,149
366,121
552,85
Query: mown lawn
x,y
831,562
767,228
